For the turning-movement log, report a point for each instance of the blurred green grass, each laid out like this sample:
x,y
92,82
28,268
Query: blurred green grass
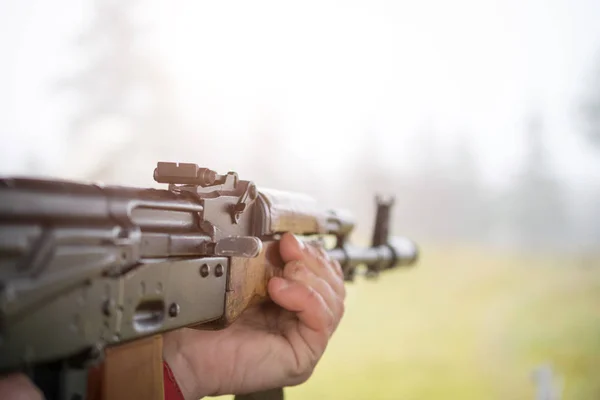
x,y
466,324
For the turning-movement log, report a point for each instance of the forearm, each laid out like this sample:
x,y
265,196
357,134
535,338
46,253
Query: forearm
x,y
184,373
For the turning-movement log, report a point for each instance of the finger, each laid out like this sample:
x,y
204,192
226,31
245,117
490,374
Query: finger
x,y
291,248
18,387
296,271
337,268
317,260
314,257
303,300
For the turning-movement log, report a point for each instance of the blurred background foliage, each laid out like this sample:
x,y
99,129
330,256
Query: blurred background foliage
x,y
481,117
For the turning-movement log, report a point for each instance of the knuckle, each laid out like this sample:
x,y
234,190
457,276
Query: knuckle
x,y
312,296
341,308
323,261
301,374
336,270
327,290
295,270
330,321
337,267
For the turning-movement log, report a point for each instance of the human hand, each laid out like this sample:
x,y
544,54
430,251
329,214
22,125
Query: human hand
x,y
271,345
18,387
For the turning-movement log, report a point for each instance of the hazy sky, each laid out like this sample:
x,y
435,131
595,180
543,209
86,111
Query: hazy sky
x,y
327,72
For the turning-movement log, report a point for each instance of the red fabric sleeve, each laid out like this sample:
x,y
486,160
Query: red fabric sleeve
x,y
172,391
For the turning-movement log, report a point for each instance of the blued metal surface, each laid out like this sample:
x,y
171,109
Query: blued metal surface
x,y
397,253
111,310
239,246
74,257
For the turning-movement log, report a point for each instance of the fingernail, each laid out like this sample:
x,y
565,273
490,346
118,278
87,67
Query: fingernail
x,y
284,284
297,269
301,244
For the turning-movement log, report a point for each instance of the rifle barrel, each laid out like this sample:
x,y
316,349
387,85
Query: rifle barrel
x,y
398,252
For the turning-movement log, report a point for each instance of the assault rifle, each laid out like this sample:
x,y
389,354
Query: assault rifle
x,y
91,275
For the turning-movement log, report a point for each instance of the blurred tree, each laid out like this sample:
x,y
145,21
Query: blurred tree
x,y
591,107
589,226
536,209
446,200
425,198
367,177
124,105
469,206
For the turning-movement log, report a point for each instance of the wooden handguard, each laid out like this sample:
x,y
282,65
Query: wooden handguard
x,y
248,281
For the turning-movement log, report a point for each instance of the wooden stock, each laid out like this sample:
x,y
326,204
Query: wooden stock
x,y
130,371
135,371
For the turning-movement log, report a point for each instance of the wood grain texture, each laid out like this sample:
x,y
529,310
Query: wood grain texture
x,y
248,280
293,212
134,371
